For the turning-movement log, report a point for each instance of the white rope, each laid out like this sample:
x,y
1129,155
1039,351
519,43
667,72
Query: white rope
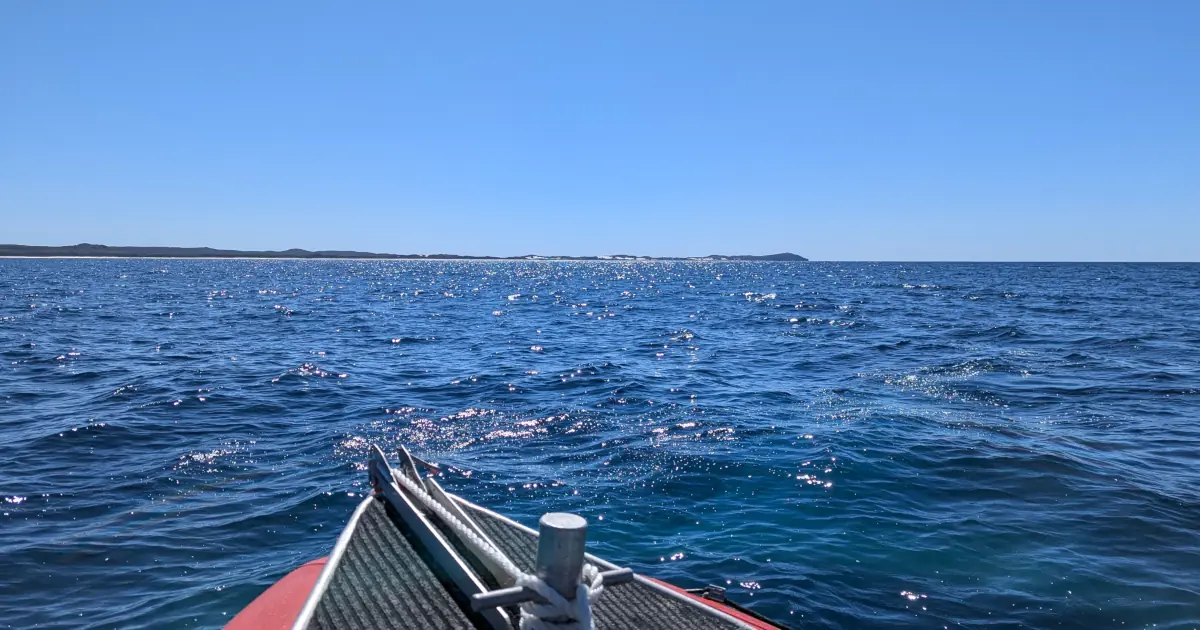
x,y
576,614
558,613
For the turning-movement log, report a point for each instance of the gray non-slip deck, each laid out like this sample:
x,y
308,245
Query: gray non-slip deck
x,y
383,582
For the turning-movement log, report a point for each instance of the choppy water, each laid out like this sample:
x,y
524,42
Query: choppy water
x,y
842,445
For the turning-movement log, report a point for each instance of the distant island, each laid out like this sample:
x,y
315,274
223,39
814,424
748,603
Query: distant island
x,y
88,250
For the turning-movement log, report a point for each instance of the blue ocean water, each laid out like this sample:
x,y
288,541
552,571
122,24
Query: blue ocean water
x,y
841,445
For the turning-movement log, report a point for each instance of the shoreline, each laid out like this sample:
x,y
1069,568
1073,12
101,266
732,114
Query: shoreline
x,y
414,259
94,251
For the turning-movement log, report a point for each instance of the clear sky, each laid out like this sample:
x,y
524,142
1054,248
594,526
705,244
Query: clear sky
x,y
980,130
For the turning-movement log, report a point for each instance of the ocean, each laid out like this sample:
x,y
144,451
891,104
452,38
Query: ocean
x,y
840,445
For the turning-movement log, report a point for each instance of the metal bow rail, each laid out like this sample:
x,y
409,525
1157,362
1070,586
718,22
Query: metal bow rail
x,y
557,595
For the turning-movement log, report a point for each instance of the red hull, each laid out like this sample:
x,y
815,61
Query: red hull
x,y
278,606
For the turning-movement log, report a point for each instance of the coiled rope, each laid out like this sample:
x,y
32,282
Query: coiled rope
x,y
558,613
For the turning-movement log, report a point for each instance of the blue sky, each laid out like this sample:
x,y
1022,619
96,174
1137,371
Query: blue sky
x,y
1012,130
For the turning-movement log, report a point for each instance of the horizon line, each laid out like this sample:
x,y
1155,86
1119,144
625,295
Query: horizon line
x,y
583,259
48,252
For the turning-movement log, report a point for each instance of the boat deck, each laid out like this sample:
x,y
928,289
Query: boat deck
x,y
383,583
384,580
